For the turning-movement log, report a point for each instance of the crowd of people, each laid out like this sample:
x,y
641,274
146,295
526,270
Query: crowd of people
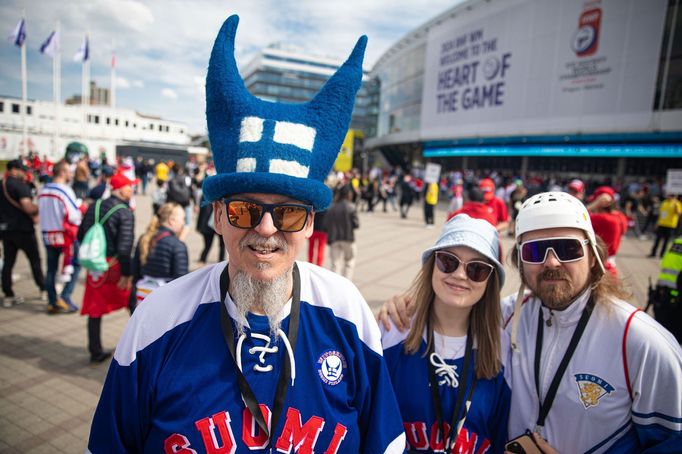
x,y
263,352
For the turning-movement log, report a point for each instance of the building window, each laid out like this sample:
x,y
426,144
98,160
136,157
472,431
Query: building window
x,y
89,119
151,126
127,123
160,128
29,110
2,106
134,125
15,108
108,120
96,119
116,122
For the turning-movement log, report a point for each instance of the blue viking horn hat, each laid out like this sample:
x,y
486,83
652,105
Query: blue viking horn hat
x,y
265,147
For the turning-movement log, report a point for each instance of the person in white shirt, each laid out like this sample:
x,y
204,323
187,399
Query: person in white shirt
x,y
60,217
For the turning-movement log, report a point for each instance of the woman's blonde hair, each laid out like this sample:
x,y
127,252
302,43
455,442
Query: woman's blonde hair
x,y
485,320
163,214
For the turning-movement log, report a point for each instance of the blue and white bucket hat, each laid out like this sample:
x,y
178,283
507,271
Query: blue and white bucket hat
x,y
476,234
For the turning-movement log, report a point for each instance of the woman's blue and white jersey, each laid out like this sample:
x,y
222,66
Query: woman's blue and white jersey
x,y
172,386
485,427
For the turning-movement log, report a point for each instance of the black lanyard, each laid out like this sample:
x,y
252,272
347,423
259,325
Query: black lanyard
x,y
435,396
554,386
284,375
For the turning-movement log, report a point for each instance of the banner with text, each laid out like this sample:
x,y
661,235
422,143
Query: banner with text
x,y
549,66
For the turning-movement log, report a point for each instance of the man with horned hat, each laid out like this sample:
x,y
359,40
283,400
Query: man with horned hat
x,y
263,352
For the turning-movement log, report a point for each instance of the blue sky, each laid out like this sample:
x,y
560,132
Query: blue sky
x,y
162,46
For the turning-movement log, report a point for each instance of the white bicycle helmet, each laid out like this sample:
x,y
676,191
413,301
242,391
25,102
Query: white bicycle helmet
x,y
549,210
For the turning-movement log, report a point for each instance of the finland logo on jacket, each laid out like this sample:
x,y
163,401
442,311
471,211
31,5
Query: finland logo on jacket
x,y
591,389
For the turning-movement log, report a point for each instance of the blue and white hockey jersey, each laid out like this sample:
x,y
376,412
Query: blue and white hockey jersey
x,y
172,386
622,390
485,427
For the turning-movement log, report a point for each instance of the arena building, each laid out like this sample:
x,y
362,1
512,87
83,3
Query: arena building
x,y
569,87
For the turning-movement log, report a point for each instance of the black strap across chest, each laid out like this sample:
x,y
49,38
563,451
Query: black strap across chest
x,y
468,364
284,375
546,405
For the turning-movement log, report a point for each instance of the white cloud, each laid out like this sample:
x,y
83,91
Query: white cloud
x,y
122,82
169,93
137,84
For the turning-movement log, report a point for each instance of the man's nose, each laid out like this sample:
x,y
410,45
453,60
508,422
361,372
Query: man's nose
x,y
266,227
552,261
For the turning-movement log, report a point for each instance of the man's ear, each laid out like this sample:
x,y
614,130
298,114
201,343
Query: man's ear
x,y
217,216
308,229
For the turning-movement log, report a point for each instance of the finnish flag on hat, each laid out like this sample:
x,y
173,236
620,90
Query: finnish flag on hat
x,y
267,147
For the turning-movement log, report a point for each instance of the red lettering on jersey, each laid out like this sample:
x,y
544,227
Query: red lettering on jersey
x,y
298,436
207,427
340,432
416,434
466,442
177,443
252,435
436,441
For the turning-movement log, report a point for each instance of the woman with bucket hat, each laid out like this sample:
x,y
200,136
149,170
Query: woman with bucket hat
x,y
448,370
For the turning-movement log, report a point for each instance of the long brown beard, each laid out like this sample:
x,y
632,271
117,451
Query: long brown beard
x,y
555,296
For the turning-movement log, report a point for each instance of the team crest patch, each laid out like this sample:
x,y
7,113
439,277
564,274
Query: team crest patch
x,y
591,389
330,367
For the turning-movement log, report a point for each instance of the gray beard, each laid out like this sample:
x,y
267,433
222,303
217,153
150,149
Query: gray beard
x,y
266,296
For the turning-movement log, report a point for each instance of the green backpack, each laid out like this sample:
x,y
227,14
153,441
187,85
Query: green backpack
x,y
92,254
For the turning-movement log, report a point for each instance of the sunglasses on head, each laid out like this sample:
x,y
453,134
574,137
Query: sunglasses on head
x,y
476,270
566,249
247,214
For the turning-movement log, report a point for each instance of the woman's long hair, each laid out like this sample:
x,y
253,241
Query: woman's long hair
x,y
162,216
485,320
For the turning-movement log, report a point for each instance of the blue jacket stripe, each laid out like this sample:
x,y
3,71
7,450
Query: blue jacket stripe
x,y
657,415
609,438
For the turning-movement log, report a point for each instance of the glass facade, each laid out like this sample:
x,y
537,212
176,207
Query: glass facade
x,y
274,80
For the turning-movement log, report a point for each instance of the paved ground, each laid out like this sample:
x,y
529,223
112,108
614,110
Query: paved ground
x,y
48,390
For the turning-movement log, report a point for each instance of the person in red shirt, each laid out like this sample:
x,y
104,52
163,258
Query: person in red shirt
x,y
577,189
476,208
609,223
498,205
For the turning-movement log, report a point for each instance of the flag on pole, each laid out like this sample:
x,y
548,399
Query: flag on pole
x,y
113,60
83,53
18,36
51,45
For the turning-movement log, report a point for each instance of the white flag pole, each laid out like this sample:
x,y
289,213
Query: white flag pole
x,y
112,100
24,96
56,91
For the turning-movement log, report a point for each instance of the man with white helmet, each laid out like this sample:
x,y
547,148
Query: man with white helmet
x,y
591,373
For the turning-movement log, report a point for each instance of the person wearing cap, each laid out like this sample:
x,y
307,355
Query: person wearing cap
x,y
262,352
476,208
609,223
60,216
18,215
109,291
455,344
590,372
487,185
101,189
630,401
576,188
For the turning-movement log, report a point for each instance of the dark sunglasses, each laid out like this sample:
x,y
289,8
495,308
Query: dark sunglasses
x,y
247,214
566,249
477,271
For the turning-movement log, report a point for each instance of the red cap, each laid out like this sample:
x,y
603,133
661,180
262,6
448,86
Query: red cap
x,y
488,187
576,185
608,190
120,180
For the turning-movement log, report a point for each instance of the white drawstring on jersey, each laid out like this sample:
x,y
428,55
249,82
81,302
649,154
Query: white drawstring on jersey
x,y
261,351
447,372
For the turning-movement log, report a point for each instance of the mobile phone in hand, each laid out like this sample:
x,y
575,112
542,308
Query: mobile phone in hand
x,y
524,444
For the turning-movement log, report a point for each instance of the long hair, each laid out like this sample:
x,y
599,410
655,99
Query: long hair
x,y
604,284
485,320
162,216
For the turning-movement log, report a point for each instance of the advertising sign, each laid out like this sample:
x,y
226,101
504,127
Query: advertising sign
x,y
549,66
432,172
673,182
